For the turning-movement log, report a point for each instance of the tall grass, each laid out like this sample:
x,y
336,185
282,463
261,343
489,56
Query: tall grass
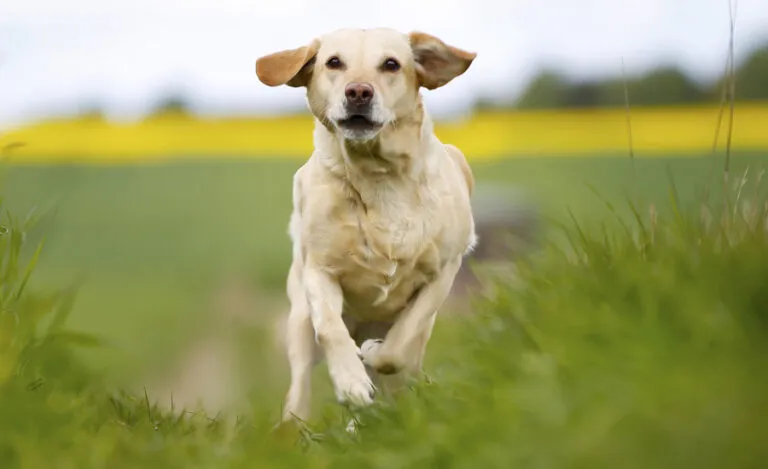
x,y
636,348
31,323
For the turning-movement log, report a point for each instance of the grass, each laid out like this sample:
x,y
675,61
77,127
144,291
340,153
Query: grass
x,y
638,348
151,239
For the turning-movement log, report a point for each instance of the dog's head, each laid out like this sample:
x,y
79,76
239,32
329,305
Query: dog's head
x,y
359,81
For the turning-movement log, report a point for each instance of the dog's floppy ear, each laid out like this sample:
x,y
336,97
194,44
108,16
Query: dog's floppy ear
x,y
292,67
437,63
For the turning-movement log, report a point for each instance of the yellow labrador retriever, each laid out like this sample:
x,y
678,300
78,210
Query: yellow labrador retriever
x,y
381,210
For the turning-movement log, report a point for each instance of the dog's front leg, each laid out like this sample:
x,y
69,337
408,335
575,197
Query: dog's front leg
x,y
347,371
301,348
405,344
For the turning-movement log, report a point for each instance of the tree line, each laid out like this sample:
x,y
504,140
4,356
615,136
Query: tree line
x,y
663,86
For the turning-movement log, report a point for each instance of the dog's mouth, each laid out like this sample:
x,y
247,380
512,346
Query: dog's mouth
x,y
359,123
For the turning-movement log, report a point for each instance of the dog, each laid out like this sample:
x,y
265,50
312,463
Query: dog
x,y
381,217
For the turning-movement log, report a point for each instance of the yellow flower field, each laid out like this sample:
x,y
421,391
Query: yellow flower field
x,y
487,135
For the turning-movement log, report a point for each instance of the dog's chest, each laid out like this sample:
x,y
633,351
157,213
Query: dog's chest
x,y
388,262
382,255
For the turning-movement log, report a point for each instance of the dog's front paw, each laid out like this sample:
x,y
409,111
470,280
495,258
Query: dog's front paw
x,y
369,350
371,355
352,384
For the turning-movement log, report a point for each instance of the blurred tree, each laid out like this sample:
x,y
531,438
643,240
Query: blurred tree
x,y
545,91
172,104
752,77
665,86
582,95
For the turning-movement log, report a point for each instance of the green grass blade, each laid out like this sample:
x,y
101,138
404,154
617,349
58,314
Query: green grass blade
x,y
63,310
28,270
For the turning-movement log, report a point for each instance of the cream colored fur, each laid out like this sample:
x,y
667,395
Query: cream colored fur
x,y
381,219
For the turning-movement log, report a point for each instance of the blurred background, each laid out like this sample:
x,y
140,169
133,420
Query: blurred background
x,y
161,168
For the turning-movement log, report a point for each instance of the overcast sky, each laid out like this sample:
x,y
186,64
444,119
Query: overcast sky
x,y
57,56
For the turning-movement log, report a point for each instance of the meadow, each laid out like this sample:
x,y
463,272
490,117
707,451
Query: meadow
x,y
148,239
636,338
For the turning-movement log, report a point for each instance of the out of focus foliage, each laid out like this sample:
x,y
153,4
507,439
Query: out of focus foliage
x,y
664,86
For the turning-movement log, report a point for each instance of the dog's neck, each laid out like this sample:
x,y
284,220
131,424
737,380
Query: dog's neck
x,y
399,150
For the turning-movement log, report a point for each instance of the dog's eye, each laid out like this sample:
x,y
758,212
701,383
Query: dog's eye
x,y
334,63
391,65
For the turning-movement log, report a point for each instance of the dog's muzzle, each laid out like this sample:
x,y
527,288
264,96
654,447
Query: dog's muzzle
x,y
358,106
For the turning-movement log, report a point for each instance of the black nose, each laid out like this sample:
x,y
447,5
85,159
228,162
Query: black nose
x,y
359,94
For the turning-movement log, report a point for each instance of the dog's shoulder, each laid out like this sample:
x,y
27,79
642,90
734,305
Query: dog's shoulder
x,y
298,187
319,201
314,184
458,157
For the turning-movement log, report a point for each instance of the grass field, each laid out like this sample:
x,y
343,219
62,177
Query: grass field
x,y
637,357
149,239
